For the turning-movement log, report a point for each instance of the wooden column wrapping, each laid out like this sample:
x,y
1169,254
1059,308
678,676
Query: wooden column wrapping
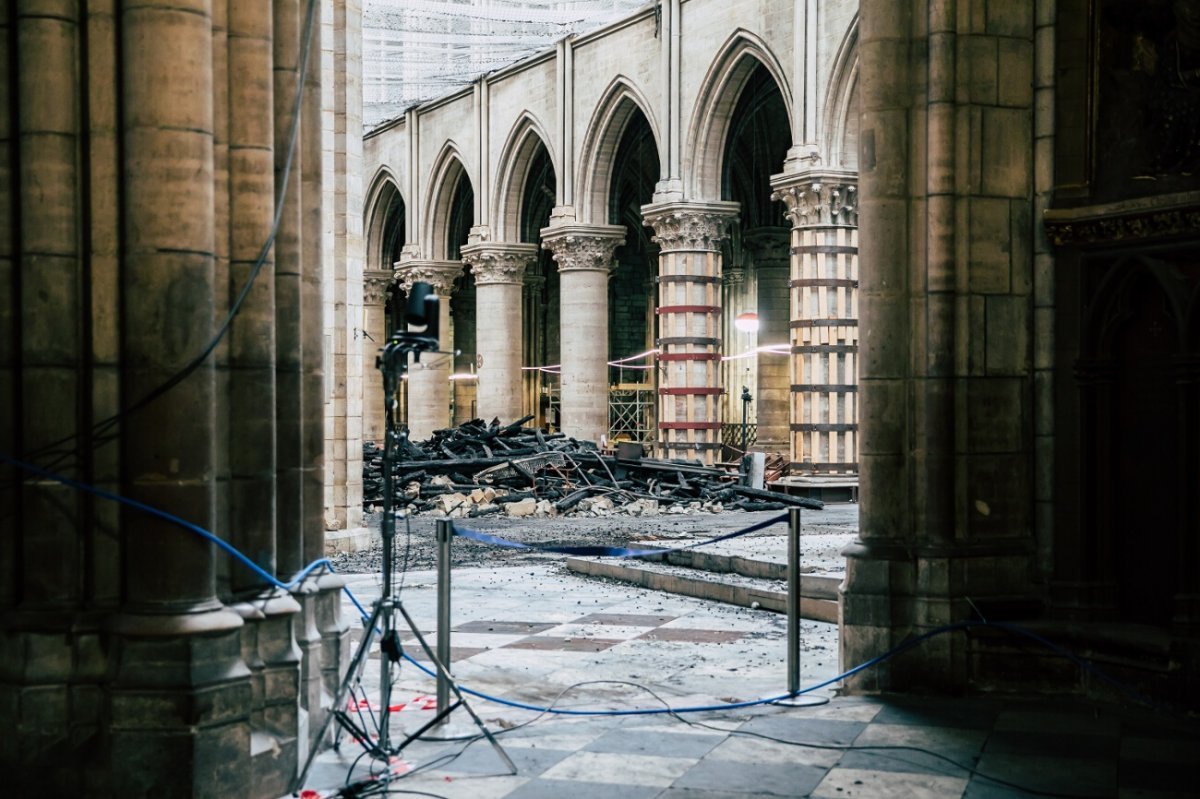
x,y
689,326
825,349
822,207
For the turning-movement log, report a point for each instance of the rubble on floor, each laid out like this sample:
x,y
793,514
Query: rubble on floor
x,y
483,468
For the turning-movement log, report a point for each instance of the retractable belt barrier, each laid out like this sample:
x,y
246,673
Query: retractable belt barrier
x,y
604,551
1011,629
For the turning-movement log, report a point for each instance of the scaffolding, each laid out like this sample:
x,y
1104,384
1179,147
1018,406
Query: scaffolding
x,y
416,50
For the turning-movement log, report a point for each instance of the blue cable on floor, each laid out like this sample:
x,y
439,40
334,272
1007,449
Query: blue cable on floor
x,y
324,563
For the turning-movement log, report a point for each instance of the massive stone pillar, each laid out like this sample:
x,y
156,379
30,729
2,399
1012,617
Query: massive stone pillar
x,y
287,24
499,271
336,164
822,206
376,283
180,697
945,373
251,354
689,341
44,284
584,254
268,643
429,378
769,247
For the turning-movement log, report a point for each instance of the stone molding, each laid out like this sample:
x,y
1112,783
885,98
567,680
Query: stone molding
x,y
818,198
690,227
734,276
375,286
1165,216
439,274
583,248
494,264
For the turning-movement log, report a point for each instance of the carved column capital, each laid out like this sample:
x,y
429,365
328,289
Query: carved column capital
x,y
583,247
818,198
499,263
690,226
375,286
439,274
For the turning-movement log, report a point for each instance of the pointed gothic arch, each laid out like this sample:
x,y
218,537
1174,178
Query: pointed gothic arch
x,y
384,220
525,139
712,118
603,137
840,147
448,170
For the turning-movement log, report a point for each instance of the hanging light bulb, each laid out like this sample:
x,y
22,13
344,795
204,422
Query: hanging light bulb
x,y
746,322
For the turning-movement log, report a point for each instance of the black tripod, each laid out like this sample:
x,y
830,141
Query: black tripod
x,y
373,731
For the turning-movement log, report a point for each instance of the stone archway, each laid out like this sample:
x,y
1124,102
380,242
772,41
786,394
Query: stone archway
x,y
757,255
385,238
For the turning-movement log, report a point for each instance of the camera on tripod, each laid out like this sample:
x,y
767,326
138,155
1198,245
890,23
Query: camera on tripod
x,y
416,332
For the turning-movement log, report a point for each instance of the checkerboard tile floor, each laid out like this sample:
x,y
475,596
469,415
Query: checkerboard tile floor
x,y
693,653
594,632
852,748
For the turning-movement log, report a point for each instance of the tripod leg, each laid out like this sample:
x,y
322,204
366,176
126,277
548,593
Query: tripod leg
x,y
336,709
441,669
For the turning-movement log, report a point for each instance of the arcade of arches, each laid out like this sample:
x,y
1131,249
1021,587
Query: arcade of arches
x,y
966,233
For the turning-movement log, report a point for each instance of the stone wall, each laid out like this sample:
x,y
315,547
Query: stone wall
x,y
946,371
144,151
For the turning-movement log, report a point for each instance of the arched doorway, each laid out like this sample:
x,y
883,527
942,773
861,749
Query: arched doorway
x,y
462,304
757,307
631,294
540,297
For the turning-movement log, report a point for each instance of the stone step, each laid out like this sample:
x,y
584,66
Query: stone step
x,y
817,601
811,585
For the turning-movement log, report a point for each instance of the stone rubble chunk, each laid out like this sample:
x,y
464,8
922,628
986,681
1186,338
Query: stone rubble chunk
x,y
521,508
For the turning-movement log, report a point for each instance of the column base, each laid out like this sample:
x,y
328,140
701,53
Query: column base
x,y
313,701
53,667
269,649
356,539
894,593
180,707
334,629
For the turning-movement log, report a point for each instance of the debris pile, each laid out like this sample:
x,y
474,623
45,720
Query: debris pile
x,y
482,468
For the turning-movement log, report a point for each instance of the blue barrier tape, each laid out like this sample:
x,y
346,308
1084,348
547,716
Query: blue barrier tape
x,y
602,551
186,525
324,563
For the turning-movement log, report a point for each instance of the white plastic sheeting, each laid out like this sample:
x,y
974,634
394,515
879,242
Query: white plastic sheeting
x,y
416,50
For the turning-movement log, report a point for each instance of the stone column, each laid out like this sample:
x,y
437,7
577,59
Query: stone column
x,y
50,347
499,271
45,683
945,373
375,334
336,160
689,311
584,254
287,23
251,379
429,378
822,207
180,697
769,246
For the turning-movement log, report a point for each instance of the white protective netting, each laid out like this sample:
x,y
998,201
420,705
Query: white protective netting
x,y
416,50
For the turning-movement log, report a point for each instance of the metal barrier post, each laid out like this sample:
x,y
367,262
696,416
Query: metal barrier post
x,y
444,534
793,601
